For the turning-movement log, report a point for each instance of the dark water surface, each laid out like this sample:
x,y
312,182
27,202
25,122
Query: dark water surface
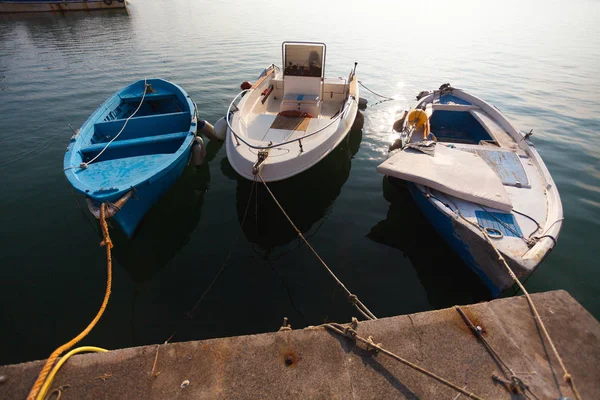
x,y
537,61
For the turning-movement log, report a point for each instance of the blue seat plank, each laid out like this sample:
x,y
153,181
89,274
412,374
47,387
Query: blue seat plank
x,y
508,225
149,125
136,97
94,148
506,164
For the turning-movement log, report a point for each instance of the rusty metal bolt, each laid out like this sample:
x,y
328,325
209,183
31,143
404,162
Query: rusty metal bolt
x,y
289,360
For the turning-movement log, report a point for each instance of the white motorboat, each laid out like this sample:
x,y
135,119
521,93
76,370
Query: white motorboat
x,y
479,181
290,118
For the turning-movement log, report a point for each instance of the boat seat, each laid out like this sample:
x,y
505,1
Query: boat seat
x,y
302,93
454,107
301,98
137,97
148,125
160,144
134,142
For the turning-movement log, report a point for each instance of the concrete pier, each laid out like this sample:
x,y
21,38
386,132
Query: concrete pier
x,y
318,364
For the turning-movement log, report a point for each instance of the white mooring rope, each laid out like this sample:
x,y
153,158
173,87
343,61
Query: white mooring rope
x,y
84,165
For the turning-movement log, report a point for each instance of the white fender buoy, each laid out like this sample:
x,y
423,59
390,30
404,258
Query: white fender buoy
x,y
207,129
198,151
221,129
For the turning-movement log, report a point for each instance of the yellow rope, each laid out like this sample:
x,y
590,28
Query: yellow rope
x,y
42,394
50,362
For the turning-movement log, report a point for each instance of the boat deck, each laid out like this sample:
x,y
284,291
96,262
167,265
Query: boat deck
x,y
261,126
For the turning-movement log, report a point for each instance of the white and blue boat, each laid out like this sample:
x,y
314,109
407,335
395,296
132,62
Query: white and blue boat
x,y
132,149
472,173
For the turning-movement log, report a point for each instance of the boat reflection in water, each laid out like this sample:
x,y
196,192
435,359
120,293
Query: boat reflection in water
x,y
167,226
305,197
444,276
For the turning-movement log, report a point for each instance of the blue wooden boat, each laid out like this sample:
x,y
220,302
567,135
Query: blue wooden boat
x,y
132,149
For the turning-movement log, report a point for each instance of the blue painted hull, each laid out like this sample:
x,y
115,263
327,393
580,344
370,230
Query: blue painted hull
x,y
146,195
137,143
444,225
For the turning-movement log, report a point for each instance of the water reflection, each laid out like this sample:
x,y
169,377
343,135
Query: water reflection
x,y
306,197
167,227
445,278
71,32
52,16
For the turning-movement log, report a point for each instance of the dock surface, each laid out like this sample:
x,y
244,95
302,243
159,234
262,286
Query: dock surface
x,y
314,363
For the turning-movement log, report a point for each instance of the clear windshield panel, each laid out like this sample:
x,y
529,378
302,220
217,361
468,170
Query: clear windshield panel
x,y
304,60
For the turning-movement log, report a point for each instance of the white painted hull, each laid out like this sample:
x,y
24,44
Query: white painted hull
x,y
536,202
58,6
286,160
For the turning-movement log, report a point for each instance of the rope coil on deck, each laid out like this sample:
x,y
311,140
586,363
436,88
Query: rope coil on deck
x,y
44,379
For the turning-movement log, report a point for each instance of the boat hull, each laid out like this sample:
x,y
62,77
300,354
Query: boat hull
x,y
146,195
259,128
470,247
274,171
58,6
151,152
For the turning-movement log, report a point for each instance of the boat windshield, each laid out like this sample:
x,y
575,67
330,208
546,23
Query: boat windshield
x,y
303,59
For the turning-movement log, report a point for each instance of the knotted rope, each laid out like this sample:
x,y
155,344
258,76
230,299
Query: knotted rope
x,y
538,319
350,332
41,379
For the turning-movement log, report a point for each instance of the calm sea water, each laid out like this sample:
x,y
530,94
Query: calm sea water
x,y
538,62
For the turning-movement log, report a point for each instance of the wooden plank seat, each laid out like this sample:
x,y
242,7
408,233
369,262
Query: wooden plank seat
x,y
454,107
149,125
137,97
157,144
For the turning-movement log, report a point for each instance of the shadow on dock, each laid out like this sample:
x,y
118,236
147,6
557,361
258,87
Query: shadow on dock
x,y
445,277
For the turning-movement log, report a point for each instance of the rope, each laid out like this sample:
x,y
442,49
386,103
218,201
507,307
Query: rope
x,y
515,383
538,320
50,362
351,333
351,297
190,313
528,241
42,394
539,228
376,94
238,137
86,164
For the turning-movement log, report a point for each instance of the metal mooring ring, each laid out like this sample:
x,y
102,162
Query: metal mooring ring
x,y
494,233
